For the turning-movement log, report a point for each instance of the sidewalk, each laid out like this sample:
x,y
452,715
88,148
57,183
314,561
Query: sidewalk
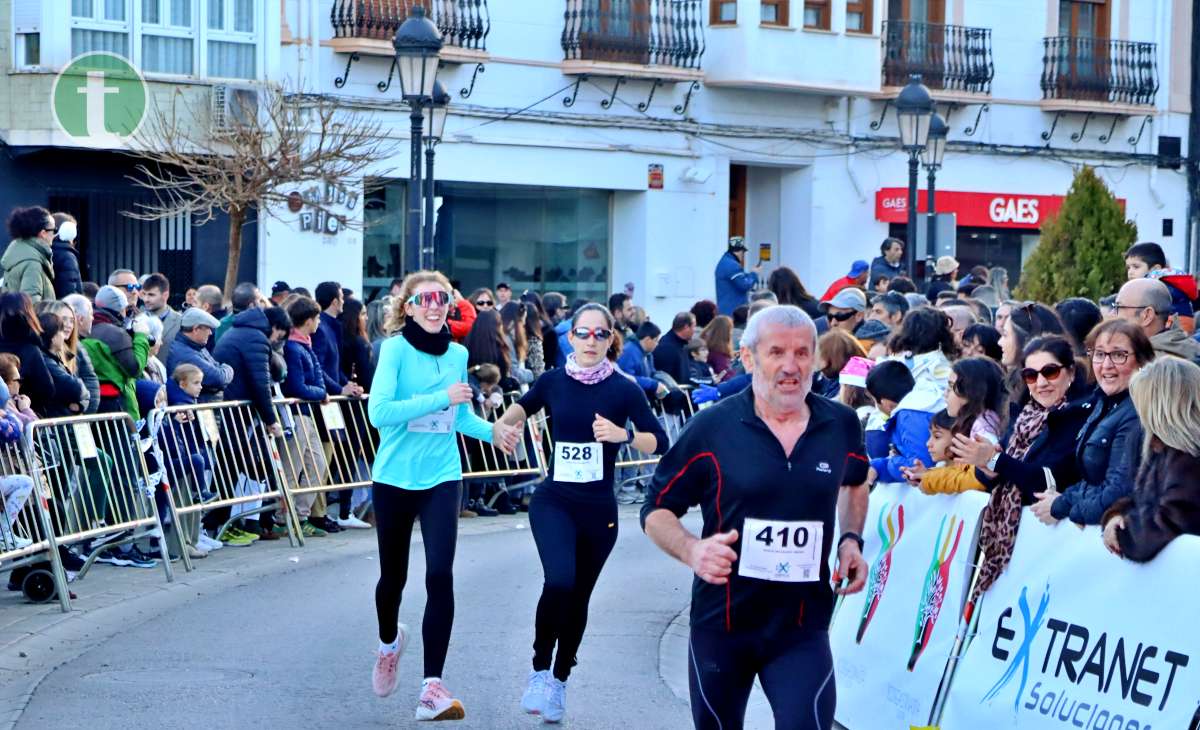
x,y
37,638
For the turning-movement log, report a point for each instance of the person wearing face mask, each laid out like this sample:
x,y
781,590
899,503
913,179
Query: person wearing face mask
x,y
420,401
64,258
573,515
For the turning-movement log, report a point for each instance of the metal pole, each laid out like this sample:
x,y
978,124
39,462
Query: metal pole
x,y
931,231
412,249
910,234
428,242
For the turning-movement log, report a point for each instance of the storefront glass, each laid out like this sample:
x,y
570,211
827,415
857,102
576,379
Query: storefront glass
x,y
537,238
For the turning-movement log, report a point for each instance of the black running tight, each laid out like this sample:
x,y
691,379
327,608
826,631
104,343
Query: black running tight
x,y
395,511
573,540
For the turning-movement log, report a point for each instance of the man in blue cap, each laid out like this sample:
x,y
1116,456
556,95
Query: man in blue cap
x,y
734,284
857,277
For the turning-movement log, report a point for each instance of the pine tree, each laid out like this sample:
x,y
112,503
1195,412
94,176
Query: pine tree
x,y
1081,252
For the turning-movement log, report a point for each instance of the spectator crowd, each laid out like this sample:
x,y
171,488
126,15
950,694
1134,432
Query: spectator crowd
x,y
1082,411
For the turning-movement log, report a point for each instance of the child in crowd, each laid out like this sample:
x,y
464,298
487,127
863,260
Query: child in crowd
x,y
16,404
699,371
185,445
852,381
1148,260
896,439
14,488
946,477
976,396
485,379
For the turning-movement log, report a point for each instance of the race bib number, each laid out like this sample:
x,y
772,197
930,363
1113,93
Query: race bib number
x,y
784,552
578,463
440,422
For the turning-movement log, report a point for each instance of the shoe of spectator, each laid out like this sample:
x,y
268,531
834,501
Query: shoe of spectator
x,y
383,678
534,699
481,509
352,523
467,514
308,529
503,504
135,558
196,553
110,556
269,534
232,539
207,543
12,541
253,533
71,562
207,496
237,533
437,703
326,524
156,554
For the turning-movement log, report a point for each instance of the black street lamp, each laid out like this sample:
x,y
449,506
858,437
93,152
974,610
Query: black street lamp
x,y
438,111
417,45
931,158
914,107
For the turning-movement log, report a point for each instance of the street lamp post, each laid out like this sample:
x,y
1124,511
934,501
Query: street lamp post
x,y
931,157
417,44
438,110
914,107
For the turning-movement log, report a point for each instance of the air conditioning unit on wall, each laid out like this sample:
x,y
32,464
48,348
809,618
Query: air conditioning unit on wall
x,y
233,107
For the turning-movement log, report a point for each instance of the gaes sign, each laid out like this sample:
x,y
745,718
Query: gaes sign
x,y
974,209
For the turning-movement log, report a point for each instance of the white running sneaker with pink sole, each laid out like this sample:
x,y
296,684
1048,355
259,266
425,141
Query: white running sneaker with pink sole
x,y
383,678
437,703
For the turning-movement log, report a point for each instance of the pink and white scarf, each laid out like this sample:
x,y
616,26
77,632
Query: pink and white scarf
x,y
588,376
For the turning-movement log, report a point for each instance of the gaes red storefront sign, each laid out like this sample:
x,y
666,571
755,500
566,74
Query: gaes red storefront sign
x,y
974,210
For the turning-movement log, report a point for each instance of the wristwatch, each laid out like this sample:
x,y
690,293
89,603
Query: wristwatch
x,y
991,464
850,536
630,433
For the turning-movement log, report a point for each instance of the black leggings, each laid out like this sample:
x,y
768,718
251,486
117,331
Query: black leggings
x,y
796,673
395,511
573,540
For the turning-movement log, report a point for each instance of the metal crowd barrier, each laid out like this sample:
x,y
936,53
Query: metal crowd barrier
x,y
24,531
222,466
485,462
634,468
98,493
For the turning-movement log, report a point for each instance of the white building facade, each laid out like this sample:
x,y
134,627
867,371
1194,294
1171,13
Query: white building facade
x,y
594,143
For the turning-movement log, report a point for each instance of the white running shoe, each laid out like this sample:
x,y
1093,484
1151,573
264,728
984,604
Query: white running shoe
x,y
383,678
205,542
556,700
352,523
534,700
437,703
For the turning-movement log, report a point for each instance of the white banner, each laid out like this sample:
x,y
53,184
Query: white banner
x,y
1072,636
891,640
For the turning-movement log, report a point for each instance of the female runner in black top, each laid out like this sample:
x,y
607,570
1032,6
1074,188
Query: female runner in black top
x,y
573,515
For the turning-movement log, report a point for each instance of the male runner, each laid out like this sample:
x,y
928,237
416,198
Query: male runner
x,y
768,468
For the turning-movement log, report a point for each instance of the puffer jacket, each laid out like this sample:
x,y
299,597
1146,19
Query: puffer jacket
x,y
65,261
118,358
246,348
1164,505
69,390
1106,452
25,267
304,377
216,375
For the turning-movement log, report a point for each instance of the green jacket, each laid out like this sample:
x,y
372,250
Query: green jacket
x,y
26,267
222,327
113,366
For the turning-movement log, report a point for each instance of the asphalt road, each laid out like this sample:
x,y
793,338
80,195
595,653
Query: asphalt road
x,y
295,648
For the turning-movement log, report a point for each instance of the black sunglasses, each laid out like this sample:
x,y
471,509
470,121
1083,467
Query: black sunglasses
x,y
841,316
1049,372
483,303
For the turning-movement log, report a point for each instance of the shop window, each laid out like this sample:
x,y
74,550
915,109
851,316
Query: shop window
x,y
816,14
774,12
541,239
858,17
723,12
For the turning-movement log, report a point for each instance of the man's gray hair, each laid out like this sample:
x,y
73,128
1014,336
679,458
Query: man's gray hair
x,y
78,303
764,295
112,278
785,315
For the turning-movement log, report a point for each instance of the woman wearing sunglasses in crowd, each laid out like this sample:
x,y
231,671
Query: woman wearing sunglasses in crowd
x,y
420,402
1055,405
573,514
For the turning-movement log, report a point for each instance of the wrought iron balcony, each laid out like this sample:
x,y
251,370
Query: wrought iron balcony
x,y
463,23
664,33
1098,69
950,57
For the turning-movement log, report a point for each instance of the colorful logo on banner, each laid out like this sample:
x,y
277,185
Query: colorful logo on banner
x,y
882,567
936,580
1020,659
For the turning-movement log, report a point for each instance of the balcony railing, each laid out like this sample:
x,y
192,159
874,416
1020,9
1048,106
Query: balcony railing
x,y
463,23
950,57
1098,69
645,32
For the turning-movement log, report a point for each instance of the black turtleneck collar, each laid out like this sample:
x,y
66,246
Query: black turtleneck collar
x,y
434,344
